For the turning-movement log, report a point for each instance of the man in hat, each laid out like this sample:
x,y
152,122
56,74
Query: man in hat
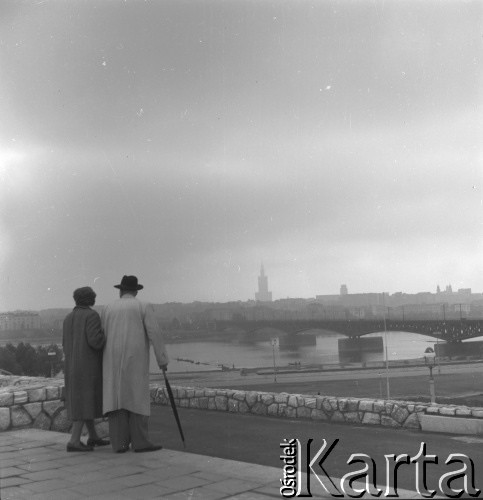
x,y
130,326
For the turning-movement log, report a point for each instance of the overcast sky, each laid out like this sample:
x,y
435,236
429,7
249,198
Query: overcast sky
x,y
188,141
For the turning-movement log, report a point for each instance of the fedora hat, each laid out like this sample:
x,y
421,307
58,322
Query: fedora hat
x,y
129,283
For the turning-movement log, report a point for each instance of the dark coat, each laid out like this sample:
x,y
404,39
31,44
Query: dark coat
x,y
83,340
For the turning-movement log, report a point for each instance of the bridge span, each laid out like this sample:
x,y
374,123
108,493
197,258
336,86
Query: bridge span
x,y
452,331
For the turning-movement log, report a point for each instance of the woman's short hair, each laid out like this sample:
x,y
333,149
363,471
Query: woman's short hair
x,y
84,296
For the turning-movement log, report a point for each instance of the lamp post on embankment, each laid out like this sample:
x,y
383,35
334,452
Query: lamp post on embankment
x,y
274,343
430,360
51,353
385,344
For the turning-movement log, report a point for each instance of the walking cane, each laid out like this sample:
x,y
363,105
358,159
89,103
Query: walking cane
x,y
173,406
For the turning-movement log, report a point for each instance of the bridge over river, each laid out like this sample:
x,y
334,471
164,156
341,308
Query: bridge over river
x,y
451,331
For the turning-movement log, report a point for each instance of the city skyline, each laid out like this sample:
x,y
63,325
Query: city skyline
x,y
185,142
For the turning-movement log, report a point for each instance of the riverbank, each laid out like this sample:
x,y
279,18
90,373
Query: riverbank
x,y
458,382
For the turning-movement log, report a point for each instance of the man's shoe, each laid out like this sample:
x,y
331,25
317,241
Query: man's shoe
x,y
81,447
98,442
123,450
149,448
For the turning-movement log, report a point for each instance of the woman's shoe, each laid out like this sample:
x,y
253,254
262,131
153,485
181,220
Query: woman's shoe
x,y
81,447
98,442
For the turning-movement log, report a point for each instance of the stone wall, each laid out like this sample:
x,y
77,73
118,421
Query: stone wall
x,y
29,402
38,403
388,413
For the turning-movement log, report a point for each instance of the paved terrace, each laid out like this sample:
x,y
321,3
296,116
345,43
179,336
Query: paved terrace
x,y
35,466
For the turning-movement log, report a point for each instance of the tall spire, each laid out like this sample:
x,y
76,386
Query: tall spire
x,y
263,295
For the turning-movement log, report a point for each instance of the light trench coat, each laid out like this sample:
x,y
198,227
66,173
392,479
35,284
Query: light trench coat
x,y
130,326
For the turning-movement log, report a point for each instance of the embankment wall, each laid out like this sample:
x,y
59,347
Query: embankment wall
x,y
40,405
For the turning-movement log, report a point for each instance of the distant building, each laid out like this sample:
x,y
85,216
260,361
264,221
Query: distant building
x,y
263,295
19,320
343,290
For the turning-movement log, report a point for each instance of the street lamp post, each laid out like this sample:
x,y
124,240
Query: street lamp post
x,y
385,343
429,361
51,353
274,343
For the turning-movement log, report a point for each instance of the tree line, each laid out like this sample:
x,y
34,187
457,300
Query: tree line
x,y
24,359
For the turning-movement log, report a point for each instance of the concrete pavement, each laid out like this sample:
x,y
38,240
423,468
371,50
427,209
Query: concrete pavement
x,y
35,466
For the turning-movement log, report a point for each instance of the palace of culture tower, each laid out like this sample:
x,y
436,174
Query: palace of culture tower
x,y
263,295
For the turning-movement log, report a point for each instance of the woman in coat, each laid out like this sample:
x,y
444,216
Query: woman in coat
x,y
83,341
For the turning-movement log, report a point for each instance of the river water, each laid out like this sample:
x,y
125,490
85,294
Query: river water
x,y
209,355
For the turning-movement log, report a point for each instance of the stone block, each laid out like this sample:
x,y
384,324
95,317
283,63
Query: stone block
x,y
199,393
272,410
432,410
337,416
54,392
334,404
210,393
221,403
371,418
399,414
477,413
204,403
190,393
463,411
194,403
243,407
161,398
366,405
281,398
259,409
184,403
343,404
420,408
300,400
352,405
6,398
42,421
451,425
4,419
251,398
310,403
33,409
50,407
318,415
412,422
352,417
267,399
292,401
387,421
20,397
447,411
233,405
60,422
19,416
287,411
211,404
239,395
303,412
180,393
379,406
102,429
326,406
